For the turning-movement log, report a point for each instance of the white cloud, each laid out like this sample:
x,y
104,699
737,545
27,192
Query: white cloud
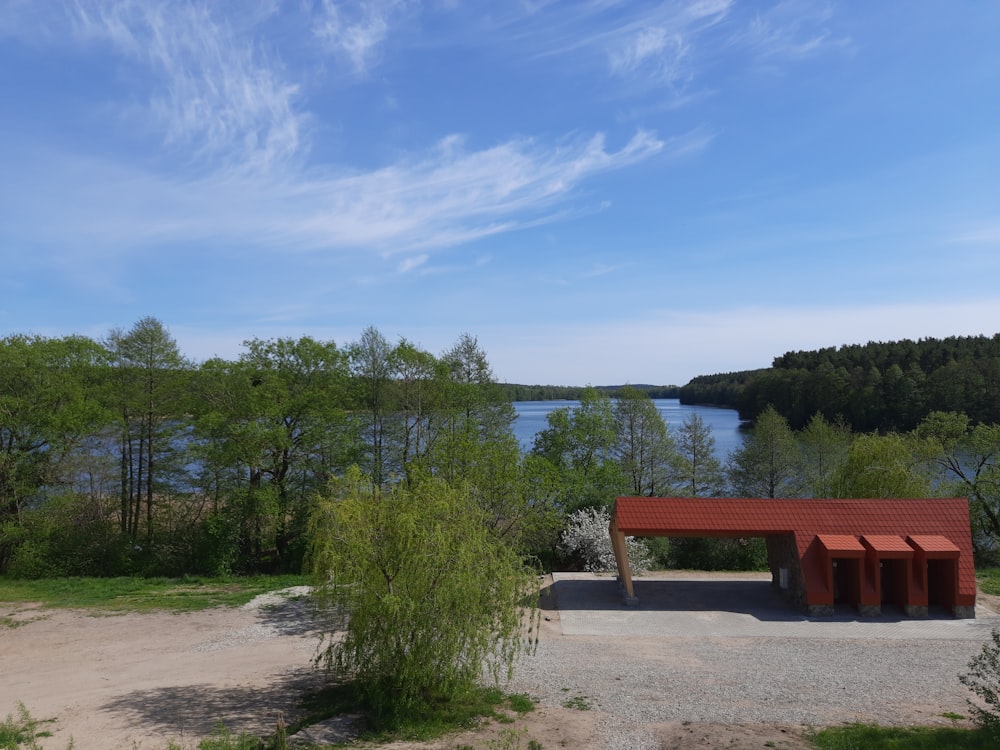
x,y
217,95
414,262
357,30
655,46
443,198
792,30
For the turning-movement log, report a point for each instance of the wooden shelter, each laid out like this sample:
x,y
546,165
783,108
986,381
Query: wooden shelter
x,y
912,554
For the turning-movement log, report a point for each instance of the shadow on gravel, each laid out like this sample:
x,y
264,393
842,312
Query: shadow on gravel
x,y
297,616
197,710
756,598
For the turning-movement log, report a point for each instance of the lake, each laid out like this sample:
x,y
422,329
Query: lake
x,y
725,423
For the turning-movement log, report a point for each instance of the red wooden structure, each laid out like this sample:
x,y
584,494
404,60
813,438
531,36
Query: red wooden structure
x,y
866,553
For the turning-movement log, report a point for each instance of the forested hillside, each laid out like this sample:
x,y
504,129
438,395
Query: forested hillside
x,y
875,386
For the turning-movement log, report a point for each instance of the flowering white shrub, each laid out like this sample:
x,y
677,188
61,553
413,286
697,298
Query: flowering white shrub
x,y
586,537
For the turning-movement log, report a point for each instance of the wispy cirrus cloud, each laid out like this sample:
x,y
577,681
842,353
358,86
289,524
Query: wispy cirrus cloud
x,y
452,195
442,198
234,168
791,30
356,30
655,46
413,263
218,94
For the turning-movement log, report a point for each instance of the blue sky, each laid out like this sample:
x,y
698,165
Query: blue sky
x,y
600,191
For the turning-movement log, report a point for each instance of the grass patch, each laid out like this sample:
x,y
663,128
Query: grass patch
x,y
521,703
433,722
579,702
989,580
871,737
21,731
186,594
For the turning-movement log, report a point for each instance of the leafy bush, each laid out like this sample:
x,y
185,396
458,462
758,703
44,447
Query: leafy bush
x,y
586,540
983,679
430,593
21,732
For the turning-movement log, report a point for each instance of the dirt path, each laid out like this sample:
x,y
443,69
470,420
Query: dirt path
x,y
120,681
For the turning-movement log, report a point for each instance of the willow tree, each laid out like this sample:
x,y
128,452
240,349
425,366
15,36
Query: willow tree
x,y
422,597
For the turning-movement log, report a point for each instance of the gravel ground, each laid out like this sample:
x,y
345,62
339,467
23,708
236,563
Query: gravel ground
x,y
678,672
639,682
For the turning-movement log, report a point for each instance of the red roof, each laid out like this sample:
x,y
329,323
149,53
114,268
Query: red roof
x,y
888,545
841,544
933,527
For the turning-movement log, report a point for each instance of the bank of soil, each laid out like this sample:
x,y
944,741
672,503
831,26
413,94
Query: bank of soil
x,y
142,680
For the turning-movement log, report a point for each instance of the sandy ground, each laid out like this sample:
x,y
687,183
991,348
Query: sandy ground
x,y
143,680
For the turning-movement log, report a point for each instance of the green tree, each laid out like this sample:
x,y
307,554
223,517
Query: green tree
x,y
373,366
149,397
766,465
473,443
970,457
699,472
272,431
824,449
883,466
48,408
643,447
50,413
477,412
421,595
578,443
418,398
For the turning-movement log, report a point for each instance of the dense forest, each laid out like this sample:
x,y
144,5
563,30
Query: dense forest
x,y
121,456
875,386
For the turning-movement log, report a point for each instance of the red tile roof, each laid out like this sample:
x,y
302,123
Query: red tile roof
x,y
841,545
888,544
934,545
935,527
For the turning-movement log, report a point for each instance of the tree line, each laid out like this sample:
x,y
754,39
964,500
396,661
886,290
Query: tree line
x,y
884,386
519,392
121,456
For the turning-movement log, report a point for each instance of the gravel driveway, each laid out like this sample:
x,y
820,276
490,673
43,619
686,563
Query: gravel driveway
x,y
728,651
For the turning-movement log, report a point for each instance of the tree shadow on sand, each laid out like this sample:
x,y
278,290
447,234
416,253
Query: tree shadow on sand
x,y
296,616
197,710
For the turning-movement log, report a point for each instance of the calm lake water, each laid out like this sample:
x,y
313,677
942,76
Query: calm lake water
x,y
725,423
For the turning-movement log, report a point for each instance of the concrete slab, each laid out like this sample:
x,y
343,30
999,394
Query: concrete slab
x,y
696,606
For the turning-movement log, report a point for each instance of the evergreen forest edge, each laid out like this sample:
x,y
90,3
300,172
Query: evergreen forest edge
x,y
122,457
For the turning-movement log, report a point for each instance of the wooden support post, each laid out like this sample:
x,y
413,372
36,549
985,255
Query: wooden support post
x,y
621,560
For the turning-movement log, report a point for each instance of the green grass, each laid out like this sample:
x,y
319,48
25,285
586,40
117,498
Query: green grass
x,y
20,731
431,723
870,737
186,594
579,702
989,580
